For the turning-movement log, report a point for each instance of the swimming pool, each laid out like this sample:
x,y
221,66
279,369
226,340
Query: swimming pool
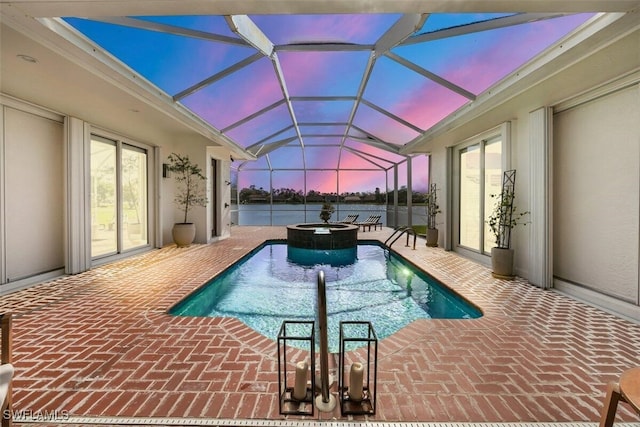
x,y
373,284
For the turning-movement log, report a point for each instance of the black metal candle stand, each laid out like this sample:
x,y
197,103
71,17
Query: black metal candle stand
x,y
290,332
360,340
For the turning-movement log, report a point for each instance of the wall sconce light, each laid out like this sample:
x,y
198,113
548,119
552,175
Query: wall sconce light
x,y
166,172
227,182
231,157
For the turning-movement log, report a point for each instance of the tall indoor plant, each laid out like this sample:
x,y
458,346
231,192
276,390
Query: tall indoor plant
x,y
189,193
502,220
432,209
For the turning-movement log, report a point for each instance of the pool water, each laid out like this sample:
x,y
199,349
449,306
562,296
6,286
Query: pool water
x,y
267,287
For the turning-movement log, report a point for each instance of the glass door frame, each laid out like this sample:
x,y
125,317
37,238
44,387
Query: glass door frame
x,y
120,142
502,132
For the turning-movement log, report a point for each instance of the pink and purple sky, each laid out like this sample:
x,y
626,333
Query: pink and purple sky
x,y
473,62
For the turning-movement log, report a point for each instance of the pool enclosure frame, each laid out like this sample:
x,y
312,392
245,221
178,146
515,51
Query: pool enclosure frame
x,y
394,212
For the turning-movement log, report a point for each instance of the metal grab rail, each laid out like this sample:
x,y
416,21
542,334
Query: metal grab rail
x,y
325,402
402,230
324,345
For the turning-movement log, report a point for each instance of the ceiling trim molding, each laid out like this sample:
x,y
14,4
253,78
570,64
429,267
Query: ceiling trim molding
x,y
93,8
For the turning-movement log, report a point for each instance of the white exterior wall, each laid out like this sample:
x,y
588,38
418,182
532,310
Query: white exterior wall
x,y
174,214
223,207
58,222
618,61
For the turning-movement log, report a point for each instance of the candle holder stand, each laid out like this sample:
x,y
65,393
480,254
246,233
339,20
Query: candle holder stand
x,y
358,344
303,335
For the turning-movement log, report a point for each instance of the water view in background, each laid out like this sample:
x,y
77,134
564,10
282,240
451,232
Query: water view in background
x,y
283,214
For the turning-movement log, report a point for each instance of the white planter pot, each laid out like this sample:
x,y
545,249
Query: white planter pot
x,y
432,237
183,233
502,263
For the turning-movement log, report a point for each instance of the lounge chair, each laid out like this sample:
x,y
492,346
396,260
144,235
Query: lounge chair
x,y
372,221
349,219
6,371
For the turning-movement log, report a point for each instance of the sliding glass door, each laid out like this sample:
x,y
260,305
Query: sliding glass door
x,y
119,197
134,197
480,166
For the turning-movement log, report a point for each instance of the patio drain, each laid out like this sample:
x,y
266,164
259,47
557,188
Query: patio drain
x,y
140,421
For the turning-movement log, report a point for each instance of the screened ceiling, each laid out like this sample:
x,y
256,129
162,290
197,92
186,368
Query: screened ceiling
x,y
326,92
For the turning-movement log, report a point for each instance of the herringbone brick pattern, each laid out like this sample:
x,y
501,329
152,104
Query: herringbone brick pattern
x,y
100,343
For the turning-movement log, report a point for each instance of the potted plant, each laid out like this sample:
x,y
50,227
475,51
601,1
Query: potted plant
x,y
189,193
502,220
432,209
326,211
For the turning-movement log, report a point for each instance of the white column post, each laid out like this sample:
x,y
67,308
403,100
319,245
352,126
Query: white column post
x,y
77,198
448,197
541,197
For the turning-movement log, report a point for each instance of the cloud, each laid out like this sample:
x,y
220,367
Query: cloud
x,y
362,181
487,57
362,29
238,95
428,104
263,126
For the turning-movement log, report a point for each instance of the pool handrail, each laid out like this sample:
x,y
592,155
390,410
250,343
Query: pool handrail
x,y
325,402
402,230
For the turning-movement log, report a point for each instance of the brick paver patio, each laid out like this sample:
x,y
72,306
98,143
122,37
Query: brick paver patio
x,y
101,344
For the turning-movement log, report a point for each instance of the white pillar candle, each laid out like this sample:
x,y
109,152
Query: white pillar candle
x,y
300,387
355,381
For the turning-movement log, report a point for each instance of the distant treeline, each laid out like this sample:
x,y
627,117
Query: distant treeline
x,y
253,194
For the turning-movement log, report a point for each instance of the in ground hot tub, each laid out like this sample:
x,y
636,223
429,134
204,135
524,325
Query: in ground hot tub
x,y
322,236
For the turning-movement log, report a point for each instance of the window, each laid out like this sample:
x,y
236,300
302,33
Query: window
x,y
479,165
119,197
